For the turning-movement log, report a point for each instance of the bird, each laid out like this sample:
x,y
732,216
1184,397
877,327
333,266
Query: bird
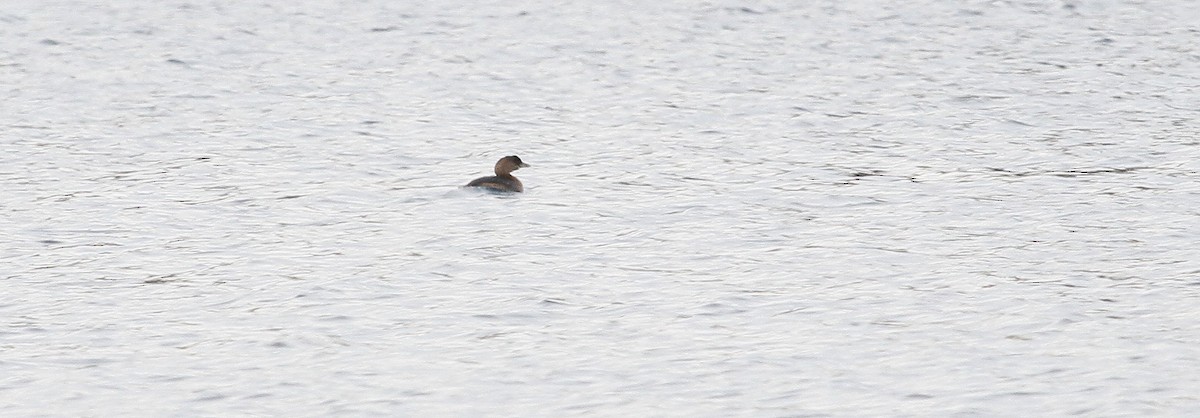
x,y
502,181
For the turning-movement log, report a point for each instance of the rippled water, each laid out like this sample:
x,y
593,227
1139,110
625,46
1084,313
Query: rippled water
x,y
734,209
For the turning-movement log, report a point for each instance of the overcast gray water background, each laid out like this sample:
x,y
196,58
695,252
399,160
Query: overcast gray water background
x,y
832,208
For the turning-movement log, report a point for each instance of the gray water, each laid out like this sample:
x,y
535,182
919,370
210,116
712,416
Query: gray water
x,y
835,208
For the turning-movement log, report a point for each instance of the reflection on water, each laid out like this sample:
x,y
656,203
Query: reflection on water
x,y
839,209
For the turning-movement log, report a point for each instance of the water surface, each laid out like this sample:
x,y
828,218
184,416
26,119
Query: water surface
x,y
734,209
